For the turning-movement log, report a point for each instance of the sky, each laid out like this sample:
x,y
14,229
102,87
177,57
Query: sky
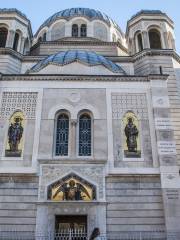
x,y
119,10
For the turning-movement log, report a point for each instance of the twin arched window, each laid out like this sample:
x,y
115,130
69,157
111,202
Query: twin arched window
x,y
75,30
84,135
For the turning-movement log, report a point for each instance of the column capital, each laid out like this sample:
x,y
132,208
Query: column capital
x,y
73,122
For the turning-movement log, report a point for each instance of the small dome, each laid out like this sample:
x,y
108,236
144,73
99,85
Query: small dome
x,y
12,10
86,57
67,14
148,12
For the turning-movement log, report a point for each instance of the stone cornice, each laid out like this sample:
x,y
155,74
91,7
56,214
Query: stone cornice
x,y
82,78
10,51
154,52
134,58
79,43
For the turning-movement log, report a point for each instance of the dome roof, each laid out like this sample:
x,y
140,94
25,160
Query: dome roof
x,y
12,10
82,12
148,12
86,57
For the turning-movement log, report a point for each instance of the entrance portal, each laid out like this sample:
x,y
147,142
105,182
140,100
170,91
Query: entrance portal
x,y
71,227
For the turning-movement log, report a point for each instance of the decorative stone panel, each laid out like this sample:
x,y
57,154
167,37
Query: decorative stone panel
x,y
24,101
123,102
52,173
137,103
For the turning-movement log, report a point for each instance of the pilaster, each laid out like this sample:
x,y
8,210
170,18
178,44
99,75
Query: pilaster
x,y
145,38
169,170
10,38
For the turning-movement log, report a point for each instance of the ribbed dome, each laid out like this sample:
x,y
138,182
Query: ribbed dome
x,y
83,12
86,57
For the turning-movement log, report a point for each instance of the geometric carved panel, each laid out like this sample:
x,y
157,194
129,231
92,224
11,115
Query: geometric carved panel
x,y
123,102
24,101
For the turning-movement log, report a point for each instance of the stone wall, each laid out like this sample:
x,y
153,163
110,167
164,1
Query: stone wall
x,y
18,197
134,204
150,65
9,65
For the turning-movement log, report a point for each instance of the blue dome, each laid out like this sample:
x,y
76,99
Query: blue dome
x,y
86,57
83,12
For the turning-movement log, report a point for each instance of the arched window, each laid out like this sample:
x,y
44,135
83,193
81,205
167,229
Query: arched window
x,y
3,36
44,37
16,41
83,30
74,30
114,38
40,39
154,39
139,42
62,135
84,135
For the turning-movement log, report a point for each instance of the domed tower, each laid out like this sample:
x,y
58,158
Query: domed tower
x,y
150,29
15,30
82,28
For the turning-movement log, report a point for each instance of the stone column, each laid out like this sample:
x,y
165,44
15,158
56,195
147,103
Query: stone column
x,y
169,170
10,39
133,46
145,38
165,35
21,48
73,138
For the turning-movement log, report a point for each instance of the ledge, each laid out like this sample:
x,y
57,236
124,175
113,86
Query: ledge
x,y
20,170
133,171
84,78
72,161
81,203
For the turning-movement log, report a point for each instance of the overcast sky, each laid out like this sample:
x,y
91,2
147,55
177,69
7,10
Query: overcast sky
x,y
119,10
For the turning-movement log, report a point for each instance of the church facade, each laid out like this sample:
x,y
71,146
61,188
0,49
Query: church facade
x,y
89,127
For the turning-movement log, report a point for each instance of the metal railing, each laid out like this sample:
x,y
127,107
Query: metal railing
x,y
81,235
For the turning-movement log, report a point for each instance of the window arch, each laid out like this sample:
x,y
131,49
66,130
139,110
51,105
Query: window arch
x,y
83,30
155,39
3,36
62,135
85,134
75,30
139,42
16,41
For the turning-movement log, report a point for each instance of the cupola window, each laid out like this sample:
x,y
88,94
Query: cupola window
x,y
3,36
83,30
16,41
154,39
44,37
75,30
140,43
